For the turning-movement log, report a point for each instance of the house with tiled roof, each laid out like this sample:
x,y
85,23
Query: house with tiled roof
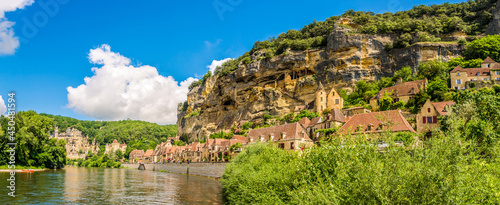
x,y
462,77
291,136
115,146
355,110
376,122
136,155
427,118
334,119
147,155
399,92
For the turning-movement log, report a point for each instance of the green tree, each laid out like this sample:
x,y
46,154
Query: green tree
x,y
483,47
405,73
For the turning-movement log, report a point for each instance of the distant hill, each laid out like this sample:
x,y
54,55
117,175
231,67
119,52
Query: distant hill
x,y
125,131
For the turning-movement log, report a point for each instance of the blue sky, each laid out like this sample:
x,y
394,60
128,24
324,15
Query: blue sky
x,y
178,38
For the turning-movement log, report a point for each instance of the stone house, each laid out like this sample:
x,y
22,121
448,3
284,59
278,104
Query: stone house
x,y
291,136
355,110
113,147
490,70
376,122
77,145
427,118
146,158
327,100
334,119
399,92
136,155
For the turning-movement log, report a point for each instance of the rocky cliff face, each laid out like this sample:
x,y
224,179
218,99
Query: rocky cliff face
x,y
276,86
494,27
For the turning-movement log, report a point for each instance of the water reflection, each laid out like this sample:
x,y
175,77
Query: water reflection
x,y
110,186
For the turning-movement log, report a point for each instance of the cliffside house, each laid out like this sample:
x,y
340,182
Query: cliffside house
x,y
355,110
376,122
334,119
490,70
115,146
291,136
399,92
427,118
327,100
136,156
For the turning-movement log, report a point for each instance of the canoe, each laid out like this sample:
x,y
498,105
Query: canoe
x,y
28,171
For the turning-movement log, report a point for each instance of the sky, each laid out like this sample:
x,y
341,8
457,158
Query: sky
x,y
129,59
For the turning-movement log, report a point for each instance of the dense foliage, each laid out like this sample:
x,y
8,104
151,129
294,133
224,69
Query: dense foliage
x,y
34,148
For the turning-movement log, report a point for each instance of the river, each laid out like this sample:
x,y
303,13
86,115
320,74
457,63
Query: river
x,y
76,185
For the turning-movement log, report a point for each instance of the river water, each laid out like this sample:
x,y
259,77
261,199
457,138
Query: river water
x,y
75,185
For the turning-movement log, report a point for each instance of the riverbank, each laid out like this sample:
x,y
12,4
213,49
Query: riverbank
x,y
213,170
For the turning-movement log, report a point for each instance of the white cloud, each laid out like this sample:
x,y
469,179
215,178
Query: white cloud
x,y
119,90
9,43
216,63
3,108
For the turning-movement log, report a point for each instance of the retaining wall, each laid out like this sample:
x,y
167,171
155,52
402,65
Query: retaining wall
x,y
202,169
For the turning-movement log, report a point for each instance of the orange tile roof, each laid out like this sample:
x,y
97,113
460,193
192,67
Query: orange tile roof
x,y
402,89
396,121
440,107
292,131
239,137
314,121
488,60
305,121
472,71
148,153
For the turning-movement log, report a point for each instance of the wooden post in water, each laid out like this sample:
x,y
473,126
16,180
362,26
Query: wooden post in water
x,y
142,167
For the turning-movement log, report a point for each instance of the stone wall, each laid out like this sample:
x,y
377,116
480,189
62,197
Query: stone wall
x,y
214,170
478,84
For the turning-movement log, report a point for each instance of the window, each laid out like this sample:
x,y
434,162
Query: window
x,y
378,102
497,72
497,78
396,100
321,99
281,145
428,110
322,107
486,79
459,81
337,101
477,73
291,145
430,120
458,74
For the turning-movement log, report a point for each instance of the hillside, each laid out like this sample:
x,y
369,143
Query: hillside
x,y
144,134
281,74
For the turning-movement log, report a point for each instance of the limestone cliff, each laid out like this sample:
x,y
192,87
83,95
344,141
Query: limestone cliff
x,y
277,85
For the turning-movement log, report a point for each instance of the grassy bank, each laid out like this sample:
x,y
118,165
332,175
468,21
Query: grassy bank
x,y
446,170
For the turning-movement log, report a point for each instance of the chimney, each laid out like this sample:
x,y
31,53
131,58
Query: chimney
x,y
271,137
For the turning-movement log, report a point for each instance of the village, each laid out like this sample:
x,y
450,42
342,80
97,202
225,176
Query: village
x,y
303,134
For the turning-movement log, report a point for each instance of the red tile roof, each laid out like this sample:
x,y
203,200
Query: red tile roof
x,y
403,89
335,115
472,71
148,153
488,60
239,137
292,131
115,141
392,119
440,107
314,121
304,121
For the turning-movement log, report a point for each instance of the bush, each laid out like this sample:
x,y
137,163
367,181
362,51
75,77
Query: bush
x,y
352,170
403,41
462,41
